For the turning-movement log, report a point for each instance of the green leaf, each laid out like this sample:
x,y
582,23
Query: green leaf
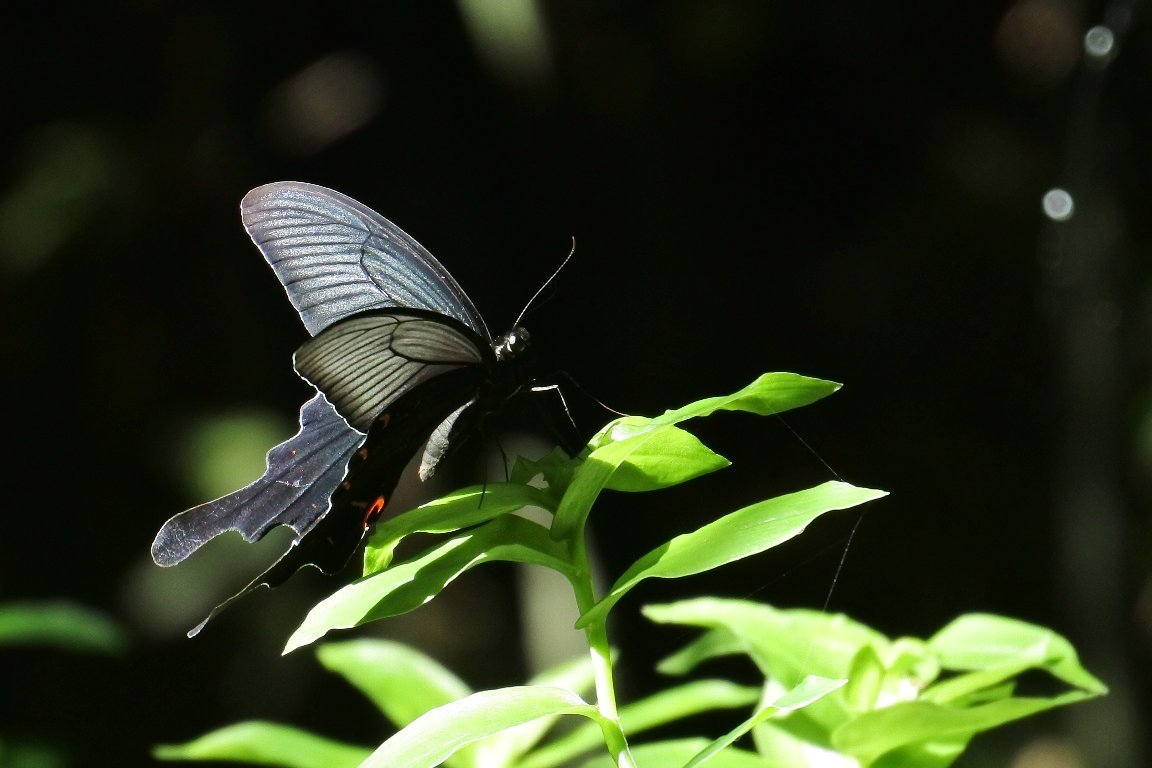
x,y
679,702
771,393
780,747
981,640
666,754
598,469
710,645
865,680
940,753
663,457
740,534
506,746
404,683
401,681
883,675
409,585
873,734
661,708
439,733
785,644
262,743
453,512
60,624
810,689
555,470
977,687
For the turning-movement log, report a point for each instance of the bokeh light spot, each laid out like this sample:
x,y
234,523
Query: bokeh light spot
x,y
1058,204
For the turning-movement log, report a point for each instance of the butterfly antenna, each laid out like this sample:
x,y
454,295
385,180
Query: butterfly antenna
x,y
547,282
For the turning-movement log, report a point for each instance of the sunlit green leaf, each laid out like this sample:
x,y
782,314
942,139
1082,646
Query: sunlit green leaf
x,y
670,456
262,743
401,681
505,747
437,734
593,476
981,640
407,586
791,642
769,394
669,754
780,747
659,709
810,689
452,512
875,733
865,678
709,645
786,645
740,534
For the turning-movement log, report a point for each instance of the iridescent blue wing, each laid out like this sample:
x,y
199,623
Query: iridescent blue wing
x,y
330,524
294,491
337,258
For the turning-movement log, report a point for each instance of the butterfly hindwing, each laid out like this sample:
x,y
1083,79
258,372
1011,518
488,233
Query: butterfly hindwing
x,y
374,470
294,491
365,362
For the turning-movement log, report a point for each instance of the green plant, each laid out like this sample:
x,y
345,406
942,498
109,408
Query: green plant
x,y
61,625
833,689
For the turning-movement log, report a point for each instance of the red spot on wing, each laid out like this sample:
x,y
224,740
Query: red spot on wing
x,y
374,511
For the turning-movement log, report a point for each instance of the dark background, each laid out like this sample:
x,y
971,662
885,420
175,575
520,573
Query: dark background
x,y
846,190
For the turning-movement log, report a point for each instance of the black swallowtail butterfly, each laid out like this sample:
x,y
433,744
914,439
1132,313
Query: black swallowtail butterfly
x,y
400,358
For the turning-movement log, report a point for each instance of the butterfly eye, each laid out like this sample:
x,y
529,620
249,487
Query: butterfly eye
x,y
515,342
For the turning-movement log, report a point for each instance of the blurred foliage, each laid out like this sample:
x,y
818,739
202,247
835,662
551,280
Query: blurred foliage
x,y
848,189
62,625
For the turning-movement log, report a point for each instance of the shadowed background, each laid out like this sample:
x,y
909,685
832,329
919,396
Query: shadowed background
x,y
849,191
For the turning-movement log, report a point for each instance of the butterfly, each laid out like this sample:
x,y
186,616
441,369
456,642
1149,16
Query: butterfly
x,y
400,359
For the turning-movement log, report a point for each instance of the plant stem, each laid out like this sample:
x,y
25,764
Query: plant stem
x,y
601,651
614,737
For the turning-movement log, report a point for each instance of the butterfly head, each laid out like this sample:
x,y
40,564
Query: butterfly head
x,y
513,344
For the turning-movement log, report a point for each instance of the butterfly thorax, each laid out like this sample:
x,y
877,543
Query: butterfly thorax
x,y
515,368
515,343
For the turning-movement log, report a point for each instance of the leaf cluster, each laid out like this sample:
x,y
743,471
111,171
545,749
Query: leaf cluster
x,y
834,691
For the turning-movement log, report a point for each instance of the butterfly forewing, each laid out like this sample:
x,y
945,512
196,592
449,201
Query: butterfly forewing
x,y
337,257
